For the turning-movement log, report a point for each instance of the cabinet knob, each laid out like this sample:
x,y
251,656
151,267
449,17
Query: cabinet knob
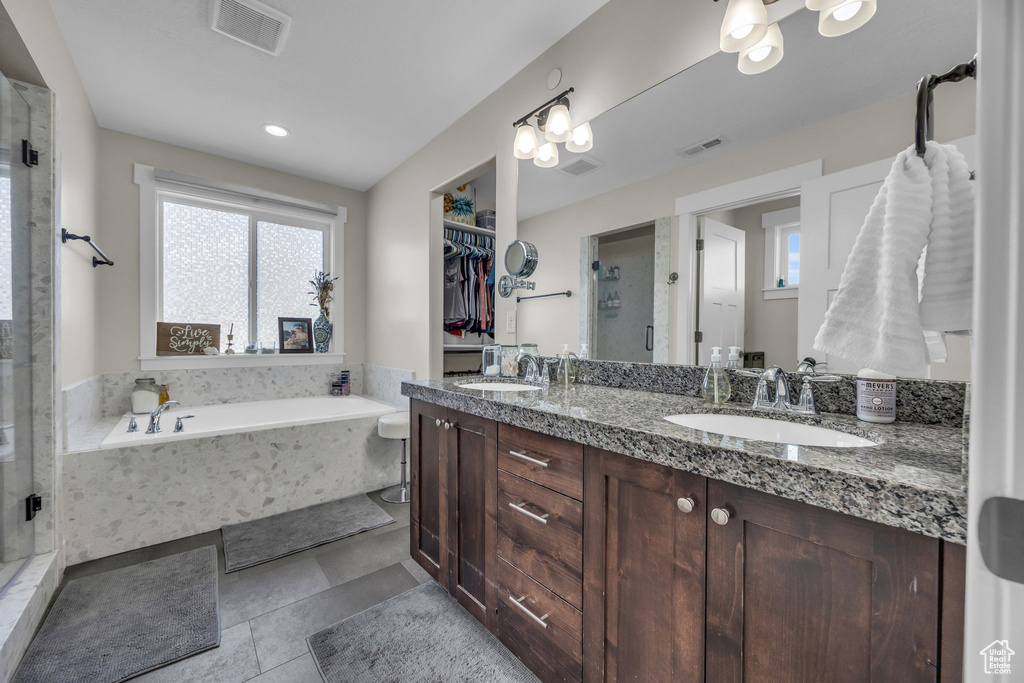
x,y
437,422
685,505
447,426
720,516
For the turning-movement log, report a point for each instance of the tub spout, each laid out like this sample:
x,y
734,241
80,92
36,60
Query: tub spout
x,y
154,417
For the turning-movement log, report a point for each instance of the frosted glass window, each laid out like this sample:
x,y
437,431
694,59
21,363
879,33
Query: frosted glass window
x,y
206,268
6,292
793,259
287,257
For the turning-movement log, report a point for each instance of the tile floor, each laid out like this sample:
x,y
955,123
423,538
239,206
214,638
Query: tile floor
x,y
269,610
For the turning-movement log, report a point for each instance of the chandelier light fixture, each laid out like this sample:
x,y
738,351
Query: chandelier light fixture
x,y
556,125
745,28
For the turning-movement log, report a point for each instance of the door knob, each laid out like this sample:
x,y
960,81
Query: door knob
x,y
437,422
720,516
685,505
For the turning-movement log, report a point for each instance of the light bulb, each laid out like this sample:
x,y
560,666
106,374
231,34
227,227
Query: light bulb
x,y
275,130
845,16
558,127
526,142
547,155
765,54
582,139
744,25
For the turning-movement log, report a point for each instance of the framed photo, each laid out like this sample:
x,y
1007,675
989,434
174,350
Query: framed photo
x,y
295,335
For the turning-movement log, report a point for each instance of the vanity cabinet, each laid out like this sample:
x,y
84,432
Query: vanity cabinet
x,y
453,535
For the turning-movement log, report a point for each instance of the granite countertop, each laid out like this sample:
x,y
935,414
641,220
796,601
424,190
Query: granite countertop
x,y
912,480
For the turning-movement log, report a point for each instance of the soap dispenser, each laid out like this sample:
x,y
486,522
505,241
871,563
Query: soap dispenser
x,y
566,373
716,382
735,362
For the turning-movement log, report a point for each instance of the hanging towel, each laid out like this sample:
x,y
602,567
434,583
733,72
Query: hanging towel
x,y
875,319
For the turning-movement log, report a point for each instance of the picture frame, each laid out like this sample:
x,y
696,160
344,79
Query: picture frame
x,y
295,335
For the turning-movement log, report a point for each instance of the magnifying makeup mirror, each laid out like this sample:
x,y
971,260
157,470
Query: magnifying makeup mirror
x,y
520,259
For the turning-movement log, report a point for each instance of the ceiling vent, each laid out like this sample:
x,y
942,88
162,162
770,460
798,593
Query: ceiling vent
x,y
701,147
581,166
250,22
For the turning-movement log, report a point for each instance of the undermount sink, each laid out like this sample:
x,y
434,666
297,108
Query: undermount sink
x,y
499,386
777,431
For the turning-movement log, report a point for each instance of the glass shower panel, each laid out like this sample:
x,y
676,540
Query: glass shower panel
x,y
17,533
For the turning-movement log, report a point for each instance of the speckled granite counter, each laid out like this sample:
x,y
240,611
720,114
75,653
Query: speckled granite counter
x,y
912,479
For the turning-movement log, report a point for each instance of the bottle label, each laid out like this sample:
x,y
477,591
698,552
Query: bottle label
x,y
876,398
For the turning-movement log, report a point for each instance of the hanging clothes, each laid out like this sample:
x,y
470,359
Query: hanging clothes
x,y
468,283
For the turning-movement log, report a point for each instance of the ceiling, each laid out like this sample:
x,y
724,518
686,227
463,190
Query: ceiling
x,y
361,84
819,78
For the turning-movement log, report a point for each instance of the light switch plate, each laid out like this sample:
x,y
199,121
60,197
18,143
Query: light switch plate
x,y
510,322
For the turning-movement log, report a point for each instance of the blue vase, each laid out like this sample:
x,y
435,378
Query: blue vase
x,y
322,329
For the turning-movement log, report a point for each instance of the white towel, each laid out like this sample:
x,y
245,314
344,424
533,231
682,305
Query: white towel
x,y
876,318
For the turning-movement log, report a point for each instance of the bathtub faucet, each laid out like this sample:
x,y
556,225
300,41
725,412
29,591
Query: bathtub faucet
x,y
154,417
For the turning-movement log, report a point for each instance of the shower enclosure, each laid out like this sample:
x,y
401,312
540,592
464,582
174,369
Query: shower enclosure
x,y
17,533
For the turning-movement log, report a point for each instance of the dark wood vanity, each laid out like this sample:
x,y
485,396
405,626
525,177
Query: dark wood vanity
x,y
596,566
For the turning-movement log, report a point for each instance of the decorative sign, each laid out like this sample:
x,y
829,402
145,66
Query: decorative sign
x,y
185,339
6,339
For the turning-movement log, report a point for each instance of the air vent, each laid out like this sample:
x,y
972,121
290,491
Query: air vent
x,y
581,166
250,22
702,147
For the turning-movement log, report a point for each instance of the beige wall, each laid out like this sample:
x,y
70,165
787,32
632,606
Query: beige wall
x,y
78,137
119,215
601,60
859,137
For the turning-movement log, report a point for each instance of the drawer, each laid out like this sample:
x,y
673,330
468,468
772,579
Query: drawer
x,y
546,460
540,628
541,533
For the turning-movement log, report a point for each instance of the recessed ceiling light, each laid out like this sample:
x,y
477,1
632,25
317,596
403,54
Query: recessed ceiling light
x,y
279,131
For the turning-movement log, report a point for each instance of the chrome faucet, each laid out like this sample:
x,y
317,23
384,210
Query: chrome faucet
x,y
154,417
533,367
781,402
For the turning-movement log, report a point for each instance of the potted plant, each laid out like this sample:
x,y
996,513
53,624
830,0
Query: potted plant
x,y
323,288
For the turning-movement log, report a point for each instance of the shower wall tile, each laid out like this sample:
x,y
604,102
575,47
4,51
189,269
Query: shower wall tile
x,y
662,297
385,384
127,498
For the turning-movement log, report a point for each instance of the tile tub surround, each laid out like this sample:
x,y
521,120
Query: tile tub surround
x,y
121,499
385,384
82,403
912,481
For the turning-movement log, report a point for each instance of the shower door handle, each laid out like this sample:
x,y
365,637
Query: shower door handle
x,y
649,338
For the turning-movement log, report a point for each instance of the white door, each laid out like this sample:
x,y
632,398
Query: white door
x,y
722,263
832,211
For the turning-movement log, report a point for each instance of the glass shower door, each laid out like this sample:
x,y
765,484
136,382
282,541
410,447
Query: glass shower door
x,y
17,533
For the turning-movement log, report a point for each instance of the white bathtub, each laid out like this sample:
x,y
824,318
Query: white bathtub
x,y
232,418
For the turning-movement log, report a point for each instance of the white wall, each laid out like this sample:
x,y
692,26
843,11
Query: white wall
x,y
78,151
859,137
119,215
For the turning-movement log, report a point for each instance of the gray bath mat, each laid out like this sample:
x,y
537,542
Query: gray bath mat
x,y
262,540
125,622
421,635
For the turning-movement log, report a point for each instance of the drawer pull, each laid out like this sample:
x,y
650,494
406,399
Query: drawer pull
x,y
521,507
519,603
535,461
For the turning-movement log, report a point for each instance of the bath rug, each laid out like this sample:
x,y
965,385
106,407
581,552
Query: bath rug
x,y
421,635
119,624
262,540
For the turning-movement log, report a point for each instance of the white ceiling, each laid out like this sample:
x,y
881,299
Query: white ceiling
x,y
361,84
819,78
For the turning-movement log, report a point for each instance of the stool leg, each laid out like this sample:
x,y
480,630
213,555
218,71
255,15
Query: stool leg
x,y
400,493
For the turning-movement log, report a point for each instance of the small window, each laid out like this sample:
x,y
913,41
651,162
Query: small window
x,y
781,253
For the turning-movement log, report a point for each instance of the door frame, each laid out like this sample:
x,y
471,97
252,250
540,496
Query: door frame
x,y
779,184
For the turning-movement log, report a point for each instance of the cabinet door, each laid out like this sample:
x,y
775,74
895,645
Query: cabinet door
x,y
643,595
472,470
797,593
428,507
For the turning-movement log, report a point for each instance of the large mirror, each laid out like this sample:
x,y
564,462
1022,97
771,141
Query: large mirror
x,y
718,208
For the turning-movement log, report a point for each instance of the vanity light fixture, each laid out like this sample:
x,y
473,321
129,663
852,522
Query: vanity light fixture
x,y
276,130
745,24
765,54
554,121
839,17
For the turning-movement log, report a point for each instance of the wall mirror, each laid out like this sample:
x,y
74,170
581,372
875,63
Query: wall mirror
x,y
718,208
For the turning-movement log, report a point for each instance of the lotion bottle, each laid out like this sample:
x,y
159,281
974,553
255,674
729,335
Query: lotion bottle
x,y
735,362
876,396
717,388
566,373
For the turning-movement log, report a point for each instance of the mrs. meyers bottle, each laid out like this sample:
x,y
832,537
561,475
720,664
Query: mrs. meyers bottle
x,y
876,396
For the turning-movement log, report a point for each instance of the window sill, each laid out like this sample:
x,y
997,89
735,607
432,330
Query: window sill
x,y
781,293
239,360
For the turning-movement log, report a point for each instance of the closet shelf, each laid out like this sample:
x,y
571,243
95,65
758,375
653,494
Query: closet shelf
x,y
455,225
463,348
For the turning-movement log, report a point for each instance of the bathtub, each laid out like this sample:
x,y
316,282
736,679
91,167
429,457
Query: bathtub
x,y
231,418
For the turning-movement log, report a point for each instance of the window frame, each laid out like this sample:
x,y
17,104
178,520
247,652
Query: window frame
x,y
775,225
156,187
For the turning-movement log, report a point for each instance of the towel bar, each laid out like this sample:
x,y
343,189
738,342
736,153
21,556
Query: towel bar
x,y
65,236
